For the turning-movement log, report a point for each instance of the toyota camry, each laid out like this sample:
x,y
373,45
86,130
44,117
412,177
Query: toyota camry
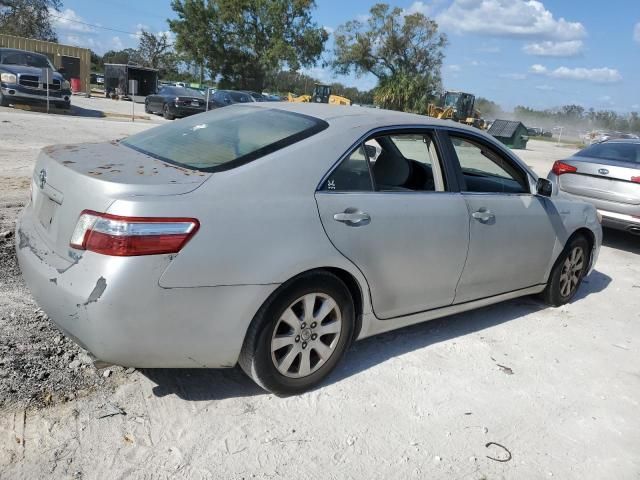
x,y
274,236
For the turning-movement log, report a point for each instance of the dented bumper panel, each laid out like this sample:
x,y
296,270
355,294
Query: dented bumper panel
x,y
114,307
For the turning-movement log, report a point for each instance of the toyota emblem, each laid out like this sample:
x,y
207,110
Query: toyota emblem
x,y
603,171
42,178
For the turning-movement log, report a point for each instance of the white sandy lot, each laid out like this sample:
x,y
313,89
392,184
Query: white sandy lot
x,y
559,388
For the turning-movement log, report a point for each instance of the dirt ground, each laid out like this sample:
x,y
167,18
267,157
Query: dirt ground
x,y
554,392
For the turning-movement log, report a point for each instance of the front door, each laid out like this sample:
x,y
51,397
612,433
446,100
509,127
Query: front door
x,y
386,208
511,235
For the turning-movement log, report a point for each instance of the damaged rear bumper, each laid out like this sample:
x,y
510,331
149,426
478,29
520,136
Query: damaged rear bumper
x,y
114,307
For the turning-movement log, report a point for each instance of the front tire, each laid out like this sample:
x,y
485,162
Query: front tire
x,y
146,107
567,273
166,113
3,101
297,339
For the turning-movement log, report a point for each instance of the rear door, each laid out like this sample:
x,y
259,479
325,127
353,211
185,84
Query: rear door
x,y
511,234
386,208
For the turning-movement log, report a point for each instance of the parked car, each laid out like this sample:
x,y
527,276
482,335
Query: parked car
x,y
96,79
257,97
608,176
222,98
175,102
264,235
21,80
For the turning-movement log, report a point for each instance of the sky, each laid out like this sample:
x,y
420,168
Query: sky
x,y
541,54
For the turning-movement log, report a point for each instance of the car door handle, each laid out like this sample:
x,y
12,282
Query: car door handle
x,y
352,217
483,216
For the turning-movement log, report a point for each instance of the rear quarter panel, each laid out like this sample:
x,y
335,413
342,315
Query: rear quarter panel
x,y
259,223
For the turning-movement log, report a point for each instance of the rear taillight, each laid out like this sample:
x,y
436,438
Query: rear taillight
x,y
635,179
559,168
131,236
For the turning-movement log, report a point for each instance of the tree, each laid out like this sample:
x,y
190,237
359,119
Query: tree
x,y
246,41
128,55
155,51
29,18
399,49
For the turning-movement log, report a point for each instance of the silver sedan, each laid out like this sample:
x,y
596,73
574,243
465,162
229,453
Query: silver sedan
x,y
607,175
273,236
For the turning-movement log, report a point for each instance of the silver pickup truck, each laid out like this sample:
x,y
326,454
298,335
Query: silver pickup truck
x,y
21,80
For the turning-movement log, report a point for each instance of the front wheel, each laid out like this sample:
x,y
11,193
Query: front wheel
x,y
3,101
567,273
166,113
297,339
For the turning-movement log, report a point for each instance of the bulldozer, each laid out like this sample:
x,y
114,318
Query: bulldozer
x,y
459,107
321,94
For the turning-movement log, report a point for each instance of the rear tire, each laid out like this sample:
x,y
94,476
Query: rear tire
x,y
297,338
567,273
166,113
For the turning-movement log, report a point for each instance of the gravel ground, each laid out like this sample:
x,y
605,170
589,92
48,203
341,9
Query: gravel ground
x,y
516,390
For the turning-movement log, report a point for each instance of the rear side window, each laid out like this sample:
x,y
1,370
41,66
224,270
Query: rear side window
x,y
225,138
625,152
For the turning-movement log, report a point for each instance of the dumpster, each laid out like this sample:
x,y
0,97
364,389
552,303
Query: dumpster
x,y
512,133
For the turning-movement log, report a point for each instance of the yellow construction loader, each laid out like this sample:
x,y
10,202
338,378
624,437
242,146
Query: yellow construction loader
x,y
459,107
321,94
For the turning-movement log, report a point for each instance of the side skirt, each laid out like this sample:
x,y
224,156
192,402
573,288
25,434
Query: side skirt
x,y
372,326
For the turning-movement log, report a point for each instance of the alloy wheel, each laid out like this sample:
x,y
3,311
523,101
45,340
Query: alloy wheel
x,y
571,271
306,335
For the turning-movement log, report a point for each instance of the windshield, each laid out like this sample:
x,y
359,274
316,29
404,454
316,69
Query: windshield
x,y
625,152
451,99
26,59
180,91
225,138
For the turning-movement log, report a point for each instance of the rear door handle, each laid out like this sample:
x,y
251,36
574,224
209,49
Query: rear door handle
x,y
352,217
483,215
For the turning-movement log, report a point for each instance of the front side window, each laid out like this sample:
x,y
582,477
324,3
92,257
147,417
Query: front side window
x,y
485,170
225,138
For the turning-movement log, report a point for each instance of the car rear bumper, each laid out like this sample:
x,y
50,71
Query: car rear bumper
x,y
621,221
114,307
20,93
614,215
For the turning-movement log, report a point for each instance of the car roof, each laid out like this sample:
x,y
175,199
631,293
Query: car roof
x,y
623,140
351,116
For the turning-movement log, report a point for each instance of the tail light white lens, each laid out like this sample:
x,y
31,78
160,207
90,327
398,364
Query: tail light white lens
x,y
131,236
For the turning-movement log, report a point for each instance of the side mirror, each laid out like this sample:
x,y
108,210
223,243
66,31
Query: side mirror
x,y
62,70
544,187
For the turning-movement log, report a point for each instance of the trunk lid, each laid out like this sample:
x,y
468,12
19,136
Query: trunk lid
x,y
68,179
606,180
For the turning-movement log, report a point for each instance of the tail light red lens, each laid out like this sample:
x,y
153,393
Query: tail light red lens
x,y
635,179
131,236
560,168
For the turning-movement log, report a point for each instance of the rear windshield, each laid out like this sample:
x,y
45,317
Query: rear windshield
x,y
225,138
625,152
181,91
